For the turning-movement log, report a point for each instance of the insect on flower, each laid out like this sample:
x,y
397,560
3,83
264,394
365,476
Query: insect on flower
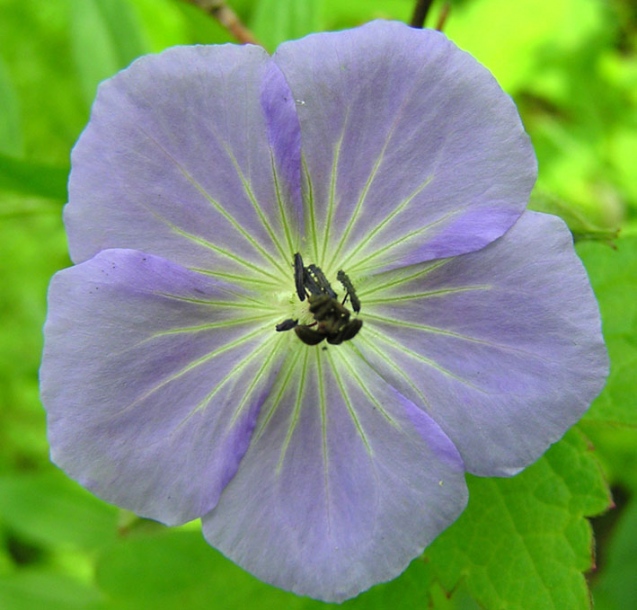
x,y
331,317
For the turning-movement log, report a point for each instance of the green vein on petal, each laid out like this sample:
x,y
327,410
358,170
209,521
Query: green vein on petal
x,y
311,211
203,404
325,444
370,345
448,333
382,252
216,205
246,302
365,291
267,363
399,208
425,295
287,231
331,204
296,412
381,337
372,176
366,391
204,243
348,403
289,365
257,208
244,282
357,208
196,363
211,326
322,405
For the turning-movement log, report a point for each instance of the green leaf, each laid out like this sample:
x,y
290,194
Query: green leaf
x,y
106,37
351,13
275,21
616,588
527,29
10,132
31,590
581,225
523,542
33,178
178,569
613,274
51,509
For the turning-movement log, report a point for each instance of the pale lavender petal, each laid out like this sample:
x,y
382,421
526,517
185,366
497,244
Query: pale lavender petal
x,y
502,347
344,483
153,377
412,149
183,159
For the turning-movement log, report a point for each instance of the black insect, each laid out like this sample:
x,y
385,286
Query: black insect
x,y
331,318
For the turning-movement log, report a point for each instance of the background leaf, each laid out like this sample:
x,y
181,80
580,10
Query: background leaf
x,y
177,569
37,590
275,21
613,274
31,178
11,142
106,37
523,543
50,509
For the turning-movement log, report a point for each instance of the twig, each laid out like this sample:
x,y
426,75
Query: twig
x,y
420,13
227,18
444,13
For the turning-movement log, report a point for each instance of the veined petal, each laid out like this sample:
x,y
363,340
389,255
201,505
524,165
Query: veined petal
x,y
153,377
502,347
412,150
344,483
180,160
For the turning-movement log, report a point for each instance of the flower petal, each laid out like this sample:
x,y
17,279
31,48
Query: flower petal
x,y
502,347
413,151
153,377
344,483
190,155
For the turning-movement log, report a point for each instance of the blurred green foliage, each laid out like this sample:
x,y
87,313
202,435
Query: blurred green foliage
x,y
571,65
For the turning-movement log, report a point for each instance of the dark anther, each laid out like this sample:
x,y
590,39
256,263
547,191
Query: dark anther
x,y
311,285
341,276
321,280
288,324
299,276
331,317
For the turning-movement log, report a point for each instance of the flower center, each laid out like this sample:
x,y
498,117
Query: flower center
x,y
331,318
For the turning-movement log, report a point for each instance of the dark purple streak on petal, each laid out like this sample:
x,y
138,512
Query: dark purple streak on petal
x,y
153,377
502,347
344,483
284,135
176,162
413,150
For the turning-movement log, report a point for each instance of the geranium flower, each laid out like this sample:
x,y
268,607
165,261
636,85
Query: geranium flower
x,y
215,196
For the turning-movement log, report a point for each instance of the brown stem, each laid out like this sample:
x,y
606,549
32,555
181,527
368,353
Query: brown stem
x,y
420,13
227,18
442,18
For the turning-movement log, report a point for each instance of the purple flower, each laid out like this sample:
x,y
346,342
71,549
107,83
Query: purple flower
x,y
384,152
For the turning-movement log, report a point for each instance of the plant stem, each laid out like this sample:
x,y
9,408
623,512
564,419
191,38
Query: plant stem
x,y
227,18
420,13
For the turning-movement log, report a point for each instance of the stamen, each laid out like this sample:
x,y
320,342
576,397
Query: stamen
x,y
341,276
331,317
